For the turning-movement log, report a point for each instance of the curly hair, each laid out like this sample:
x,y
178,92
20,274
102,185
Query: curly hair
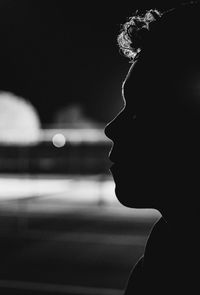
x,y
132,33
135,31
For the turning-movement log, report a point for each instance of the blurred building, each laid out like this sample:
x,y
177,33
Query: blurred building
x,y
79,147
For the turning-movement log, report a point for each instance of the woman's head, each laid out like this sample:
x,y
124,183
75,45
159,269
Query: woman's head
x,y
157,32
167,49
155,136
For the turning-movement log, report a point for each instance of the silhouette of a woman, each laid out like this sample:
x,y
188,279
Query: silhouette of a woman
x,y
156,144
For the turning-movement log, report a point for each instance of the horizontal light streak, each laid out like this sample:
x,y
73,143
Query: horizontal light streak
x,y
57,289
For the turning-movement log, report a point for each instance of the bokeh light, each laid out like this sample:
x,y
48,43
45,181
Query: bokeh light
x,y
19,120
59,140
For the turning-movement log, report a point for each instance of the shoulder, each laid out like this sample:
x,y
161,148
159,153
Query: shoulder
x,y
143,273
135,279
158,241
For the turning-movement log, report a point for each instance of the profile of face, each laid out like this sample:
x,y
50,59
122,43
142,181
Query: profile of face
x,y
154,136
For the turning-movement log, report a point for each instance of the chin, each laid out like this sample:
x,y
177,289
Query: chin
x,y
131,198
136,196
134,191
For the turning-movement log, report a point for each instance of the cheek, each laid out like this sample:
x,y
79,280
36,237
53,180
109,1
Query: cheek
x,y
186,93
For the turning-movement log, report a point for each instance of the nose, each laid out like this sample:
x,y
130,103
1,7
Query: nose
x,y
108,130
114,128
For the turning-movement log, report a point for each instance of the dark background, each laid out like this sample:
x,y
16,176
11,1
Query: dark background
x,y
56,52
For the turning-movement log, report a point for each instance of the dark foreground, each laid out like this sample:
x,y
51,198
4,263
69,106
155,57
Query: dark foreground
x,y
80,250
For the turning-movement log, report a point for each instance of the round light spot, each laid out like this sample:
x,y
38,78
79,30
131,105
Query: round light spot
x,y
59,140
19,121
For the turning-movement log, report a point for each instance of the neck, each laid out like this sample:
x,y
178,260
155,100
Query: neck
x,y
184,229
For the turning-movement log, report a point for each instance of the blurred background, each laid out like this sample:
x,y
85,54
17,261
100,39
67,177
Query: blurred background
x,y
62,231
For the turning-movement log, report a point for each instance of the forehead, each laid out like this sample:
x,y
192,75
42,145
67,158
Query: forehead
x,y
134,83
156,86
127,85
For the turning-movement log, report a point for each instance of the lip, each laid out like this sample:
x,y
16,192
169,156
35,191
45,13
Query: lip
x,y
112,158
113,168
116,153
